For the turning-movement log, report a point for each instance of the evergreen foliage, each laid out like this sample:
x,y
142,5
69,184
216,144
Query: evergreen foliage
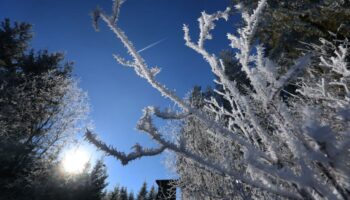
x,y
286,26
88,185
121,193
131,196
41,108
114,195
98,180
152,194
142,195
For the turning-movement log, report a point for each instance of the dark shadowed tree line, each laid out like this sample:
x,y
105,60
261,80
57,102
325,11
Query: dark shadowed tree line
x,y
40,109
121,193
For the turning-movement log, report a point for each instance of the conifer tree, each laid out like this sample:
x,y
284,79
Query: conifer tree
x,y
86,185
131,196
98,178
41,107
114,195
142,194
123,195
152,194
286,26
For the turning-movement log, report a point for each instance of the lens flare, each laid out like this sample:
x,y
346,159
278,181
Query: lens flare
x,y
74,161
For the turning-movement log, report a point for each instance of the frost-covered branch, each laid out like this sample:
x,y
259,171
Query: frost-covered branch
x,y
145,124
168,114
289,147
138,63
138,152
147,73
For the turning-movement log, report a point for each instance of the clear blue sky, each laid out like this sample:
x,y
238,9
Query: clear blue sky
x,y
116,94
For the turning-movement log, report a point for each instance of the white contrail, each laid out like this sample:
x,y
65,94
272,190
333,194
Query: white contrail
x,y
151,45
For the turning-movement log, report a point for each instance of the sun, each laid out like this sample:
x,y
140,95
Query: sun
x,y
75,160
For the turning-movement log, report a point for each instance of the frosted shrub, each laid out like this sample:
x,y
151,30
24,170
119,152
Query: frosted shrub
x,y
289,148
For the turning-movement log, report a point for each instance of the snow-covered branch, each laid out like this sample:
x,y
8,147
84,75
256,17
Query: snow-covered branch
x,y
168,114
138,152
290,147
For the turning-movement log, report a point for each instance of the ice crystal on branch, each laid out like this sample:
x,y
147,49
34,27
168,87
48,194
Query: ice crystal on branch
x,y
255,142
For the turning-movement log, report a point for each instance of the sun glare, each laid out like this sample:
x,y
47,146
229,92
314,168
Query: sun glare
x,y
75,160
